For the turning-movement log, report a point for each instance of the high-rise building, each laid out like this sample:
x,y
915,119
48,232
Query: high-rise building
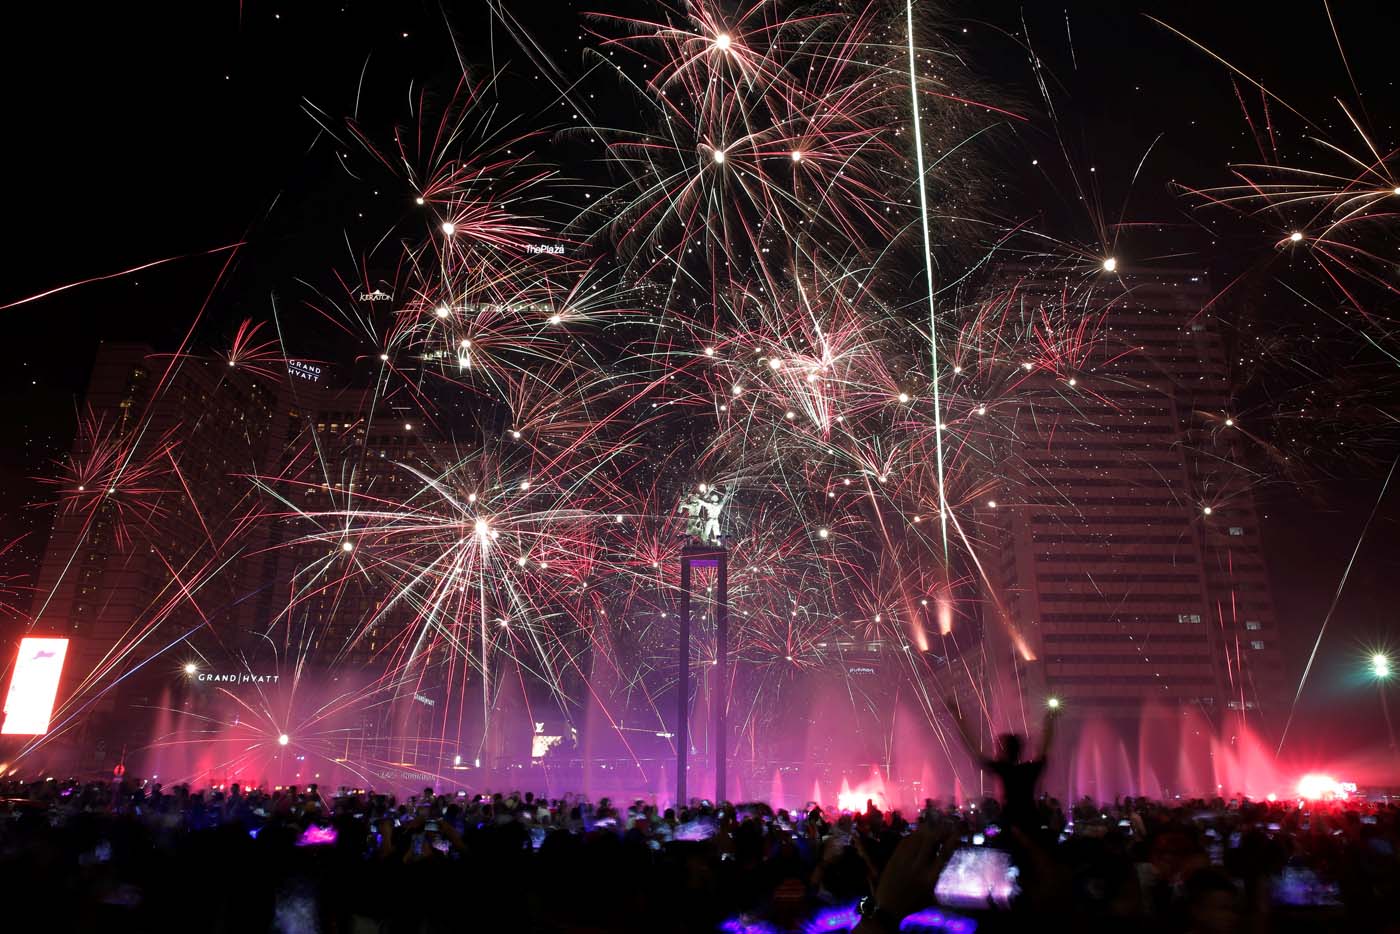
x,y
189,531
1125,544
154,490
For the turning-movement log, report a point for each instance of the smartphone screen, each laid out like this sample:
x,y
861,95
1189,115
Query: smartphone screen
x,y
977,877
316,835
695,830
1301,887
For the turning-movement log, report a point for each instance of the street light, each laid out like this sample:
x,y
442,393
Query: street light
x,y
1380,666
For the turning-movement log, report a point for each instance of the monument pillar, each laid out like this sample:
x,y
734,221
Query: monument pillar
x,y
716,557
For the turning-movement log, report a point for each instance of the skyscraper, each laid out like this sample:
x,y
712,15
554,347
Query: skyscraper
x,y
177,541
1125,538
152,493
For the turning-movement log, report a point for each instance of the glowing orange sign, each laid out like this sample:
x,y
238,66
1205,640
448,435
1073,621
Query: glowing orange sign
x,y
34,686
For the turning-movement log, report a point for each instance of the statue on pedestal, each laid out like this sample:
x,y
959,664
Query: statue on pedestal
x,y
702,510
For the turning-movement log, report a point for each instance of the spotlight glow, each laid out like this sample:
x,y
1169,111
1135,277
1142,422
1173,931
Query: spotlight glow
x,y
1317,787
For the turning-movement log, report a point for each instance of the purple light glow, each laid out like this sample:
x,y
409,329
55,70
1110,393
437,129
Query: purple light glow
x,y
847,917
316,835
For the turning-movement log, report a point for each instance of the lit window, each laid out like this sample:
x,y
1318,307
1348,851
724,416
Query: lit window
x,y
1236,530
1252,624
1256,644
1188,617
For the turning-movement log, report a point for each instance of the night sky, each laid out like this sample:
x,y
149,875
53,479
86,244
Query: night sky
x,y
140,132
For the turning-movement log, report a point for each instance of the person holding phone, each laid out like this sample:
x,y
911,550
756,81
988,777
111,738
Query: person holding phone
x,y
906,881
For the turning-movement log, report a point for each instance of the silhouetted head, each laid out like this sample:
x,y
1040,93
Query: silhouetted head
x,y
1010,747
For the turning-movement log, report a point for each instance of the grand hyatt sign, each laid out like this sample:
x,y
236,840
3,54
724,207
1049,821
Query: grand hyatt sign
x,y
219,677
310,372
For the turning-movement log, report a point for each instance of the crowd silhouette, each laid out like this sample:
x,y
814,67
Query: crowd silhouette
x,y
130,855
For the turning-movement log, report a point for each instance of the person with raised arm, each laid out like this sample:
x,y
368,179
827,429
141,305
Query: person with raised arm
x,y
1019,777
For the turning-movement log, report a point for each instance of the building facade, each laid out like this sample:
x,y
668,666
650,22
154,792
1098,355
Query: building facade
x,y
1125,542
153,491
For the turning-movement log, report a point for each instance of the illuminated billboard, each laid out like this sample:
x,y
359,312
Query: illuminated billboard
x,y
34,686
